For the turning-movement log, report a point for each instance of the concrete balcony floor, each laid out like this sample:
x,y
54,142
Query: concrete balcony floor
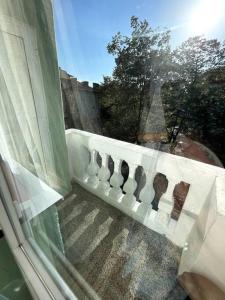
x,y
118,257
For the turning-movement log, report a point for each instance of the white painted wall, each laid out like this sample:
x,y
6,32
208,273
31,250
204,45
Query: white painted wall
x,y
205,249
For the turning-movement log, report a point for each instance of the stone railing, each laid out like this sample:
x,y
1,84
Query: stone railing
x,y
95,163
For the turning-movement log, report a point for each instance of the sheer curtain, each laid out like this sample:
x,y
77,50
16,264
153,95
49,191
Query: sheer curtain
x,y
32,134
31,118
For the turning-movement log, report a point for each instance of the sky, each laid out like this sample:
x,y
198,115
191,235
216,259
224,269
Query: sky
x,y
85,27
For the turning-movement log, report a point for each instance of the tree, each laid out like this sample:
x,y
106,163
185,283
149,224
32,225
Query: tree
x,y
142,60
195,101
189,98
190,80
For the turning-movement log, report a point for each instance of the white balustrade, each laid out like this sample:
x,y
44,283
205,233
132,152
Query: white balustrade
x,y
163,215
92,169
147,193
104,174
176,169
168,195
116,180
130,187
165,207
146,196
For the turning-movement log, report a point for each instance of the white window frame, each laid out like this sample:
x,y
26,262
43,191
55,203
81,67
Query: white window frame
x,y
40,275
35,270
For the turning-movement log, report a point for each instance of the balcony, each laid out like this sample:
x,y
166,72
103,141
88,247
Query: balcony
x,y
115,256
96,170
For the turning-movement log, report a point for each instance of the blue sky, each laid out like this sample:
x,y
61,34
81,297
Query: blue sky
x,y
84,28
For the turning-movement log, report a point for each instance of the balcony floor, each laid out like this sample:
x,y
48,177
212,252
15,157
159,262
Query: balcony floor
x,y
119,257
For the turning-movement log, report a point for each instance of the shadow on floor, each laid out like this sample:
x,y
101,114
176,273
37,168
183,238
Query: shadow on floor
x,y
118,257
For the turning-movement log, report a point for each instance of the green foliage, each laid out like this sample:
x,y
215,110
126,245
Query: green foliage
x,y
141,59
118,111
195,101
191,79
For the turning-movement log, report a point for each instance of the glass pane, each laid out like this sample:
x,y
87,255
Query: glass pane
x,y
12,284
33,150
148,78
128,201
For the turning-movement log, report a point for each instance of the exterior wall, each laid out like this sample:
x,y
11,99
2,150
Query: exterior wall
x,y
80,102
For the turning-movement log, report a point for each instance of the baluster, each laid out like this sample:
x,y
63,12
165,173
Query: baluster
x,y
104,174
130,187
163,215
116,180
92,170
166,205
168,195
147,194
